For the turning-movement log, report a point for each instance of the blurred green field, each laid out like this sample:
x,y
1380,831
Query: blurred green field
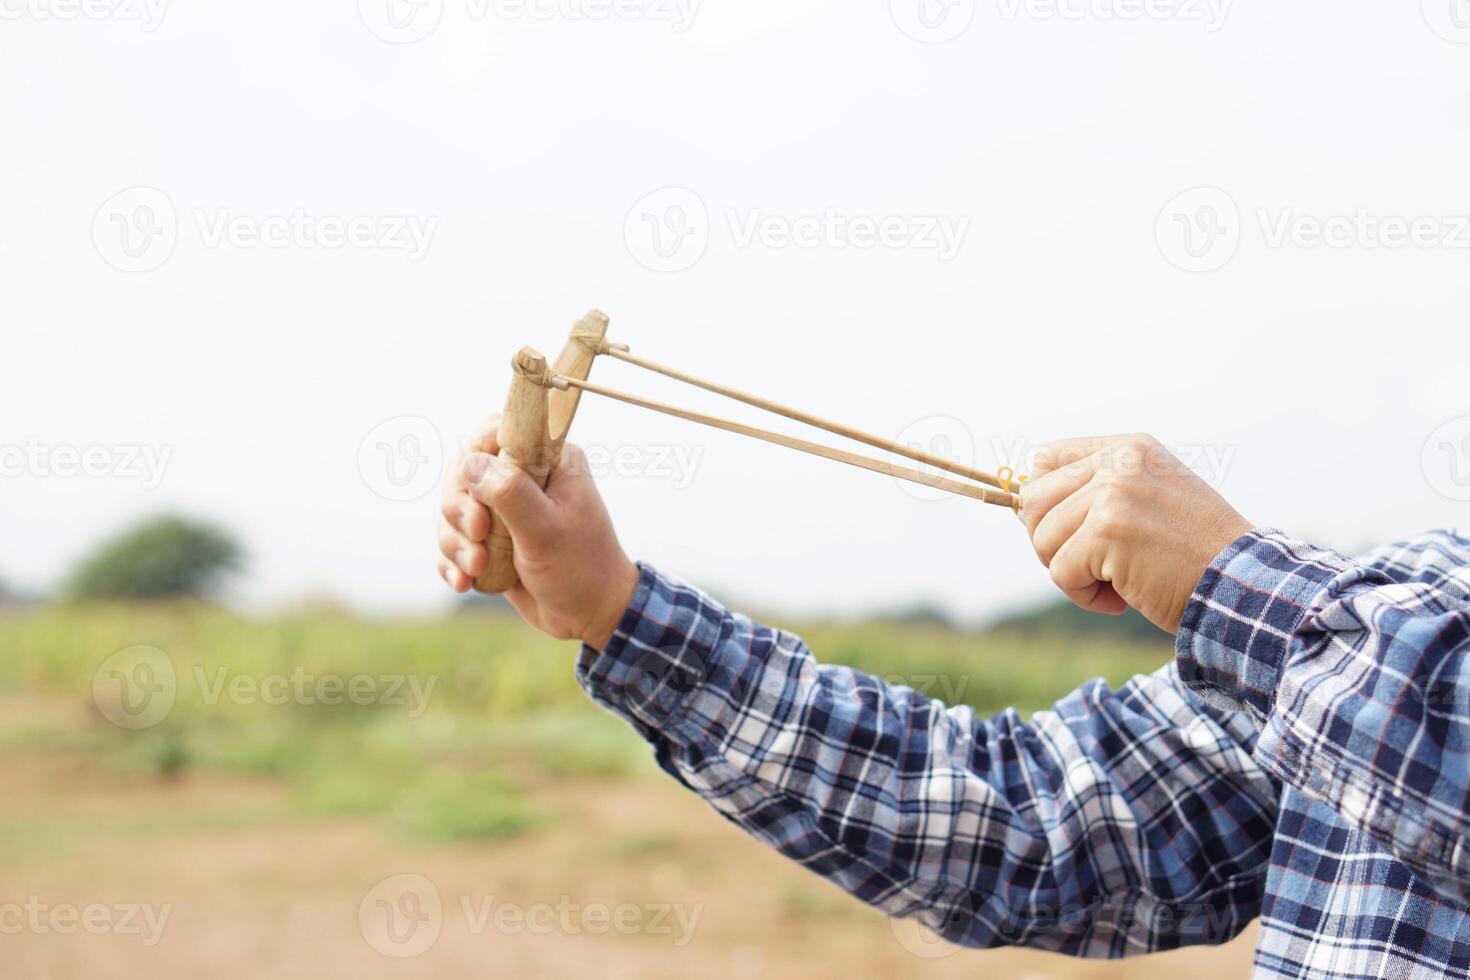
x,y
502,720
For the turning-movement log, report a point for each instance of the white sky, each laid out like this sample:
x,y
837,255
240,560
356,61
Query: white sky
x,y
1325,386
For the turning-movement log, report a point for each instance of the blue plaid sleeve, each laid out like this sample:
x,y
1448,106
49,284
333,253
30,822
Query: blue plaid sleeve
x,y
1117,822
1356,675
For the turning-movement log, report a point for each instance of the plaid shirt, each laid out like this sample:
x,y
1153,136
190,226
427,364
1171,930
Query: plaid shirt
x,y
1305,759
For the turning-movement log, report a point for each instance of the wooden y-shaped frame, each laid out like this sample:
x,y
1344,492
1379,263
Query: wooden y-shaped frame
x,y
543,401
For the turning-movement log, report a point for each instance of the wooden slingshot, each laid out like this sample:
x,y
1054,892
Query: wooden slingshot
x,y
543,401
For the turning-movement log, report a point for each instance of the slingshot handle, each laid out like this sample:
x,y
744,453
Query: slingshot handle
x,y
525,440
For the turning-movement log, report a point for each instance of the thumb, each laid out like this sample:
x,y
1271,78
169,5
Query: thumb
x,y
501,485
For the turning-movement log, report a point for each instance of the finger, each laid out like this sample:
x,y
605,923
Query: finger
x,y
1061,522
466,555
517,502
1040,494
466,514
456,579
570,478
1055,455
1071,570
487,436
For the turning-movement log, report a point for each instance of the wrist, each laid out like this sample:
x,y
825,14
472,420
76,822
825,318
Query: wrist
x,y
622,583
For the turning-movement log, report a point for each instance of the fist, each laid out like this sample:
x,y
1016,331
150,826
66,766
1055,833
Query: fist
x,y
575,580
1120,521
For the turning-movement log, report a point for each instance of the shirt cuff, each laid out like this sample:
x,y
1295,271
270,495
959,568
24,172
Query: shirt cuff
x,y
1240,621
663,650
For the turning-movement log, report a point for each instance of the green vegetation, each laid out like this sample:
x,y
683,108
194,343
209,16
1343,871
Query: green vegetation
x,y
1067,619
442,729
164,557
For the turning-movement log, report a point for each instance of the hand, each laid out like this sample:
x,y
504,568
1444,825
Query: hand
x,y
1121,522
575,580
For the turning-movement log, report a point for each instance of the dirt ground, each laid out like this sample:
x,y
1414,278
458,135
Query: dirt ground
x,y
635,880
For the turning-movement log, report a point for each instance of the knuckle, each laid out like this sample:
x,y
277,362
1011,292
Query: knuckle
x,y
1061,575
1109,527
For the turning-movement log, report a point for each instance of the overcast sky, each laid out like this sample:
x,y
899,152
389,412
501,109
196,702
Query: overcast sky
x,y
267,263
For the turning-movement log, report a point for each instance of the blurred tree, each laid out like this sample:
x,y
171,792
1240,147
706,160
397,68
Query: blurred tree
x,y
1064,619
925,615
161,557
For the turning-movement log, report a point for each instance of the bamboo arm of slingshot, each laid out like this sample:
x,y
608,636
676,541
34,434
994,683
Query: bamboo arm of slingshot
x,y
534,428
525,442
1000,482
983,494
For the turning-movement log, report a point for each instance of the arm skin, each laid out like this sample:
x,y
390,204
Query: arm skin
x,y
1357,675
1118,822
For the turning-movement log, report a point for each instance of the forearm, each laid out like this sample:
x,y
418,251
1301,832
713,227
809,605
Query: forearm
x,y
1356,675
993,832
